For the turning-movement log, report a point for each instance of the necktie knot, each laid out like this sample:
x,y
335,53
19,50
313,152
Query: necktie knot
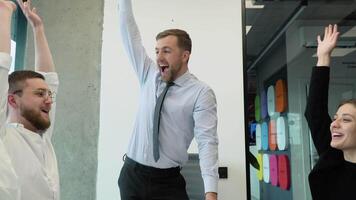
x,y
169,84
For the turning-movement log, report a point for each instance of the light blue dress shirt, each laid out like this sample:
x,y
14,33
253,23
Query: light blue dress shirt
x,y
189,110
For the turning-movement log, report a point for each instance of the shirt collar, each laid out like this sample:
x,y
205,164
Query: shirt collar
x,y
13,124
182,79
21,126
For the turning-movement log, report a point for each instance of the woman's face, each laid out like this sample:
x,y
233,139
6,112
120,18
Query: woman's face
x,y
343,128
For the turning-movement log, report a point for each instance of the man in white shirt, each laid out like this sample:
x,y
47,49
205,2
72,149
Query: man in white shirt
x,y
30,103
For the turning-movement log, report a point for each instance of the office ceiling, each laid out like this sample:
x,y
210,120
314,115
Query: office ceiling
x,y
265,19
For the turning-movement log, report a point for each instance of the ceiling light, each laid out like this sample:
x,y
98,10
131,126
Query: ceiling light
x,y
350,33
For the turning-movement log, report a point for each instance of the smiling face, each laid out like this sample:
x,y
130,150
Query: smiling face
x,y
172,61
343,128
31,105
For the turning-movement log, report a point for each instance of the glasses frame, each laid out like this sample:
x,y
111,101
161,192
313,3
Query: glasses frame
x,y
48,93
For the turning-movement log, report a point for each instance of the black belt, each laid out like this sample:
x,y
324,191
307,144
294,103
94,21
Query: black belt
x,y
152,170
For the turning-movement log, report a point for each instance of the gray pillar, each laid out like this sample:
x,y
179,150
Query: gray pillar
x,y
74,31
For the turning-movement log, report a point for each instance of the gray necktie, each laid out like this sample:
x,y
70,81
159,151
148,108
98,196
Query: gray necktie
x,y
156,120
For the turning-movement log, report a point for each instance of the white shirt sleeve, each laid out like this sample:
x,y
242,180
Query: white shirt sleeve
x,y
9,187
205,131
5,62
132,42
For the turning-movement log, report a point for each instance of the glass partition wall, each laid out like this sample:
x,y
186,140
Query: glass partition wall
x,y
279,53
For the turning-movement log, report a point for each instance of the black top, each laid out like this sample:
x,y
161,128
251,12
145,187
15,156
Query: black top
x,y
332,177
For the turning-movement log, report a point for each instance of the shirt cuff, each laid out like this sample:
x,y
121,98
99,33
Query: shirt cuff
x,y
5,60
51,77
211,184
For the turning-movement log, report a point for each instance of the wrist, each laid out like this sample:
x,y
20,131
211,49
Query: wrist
x,y
38,28
211,195
323,60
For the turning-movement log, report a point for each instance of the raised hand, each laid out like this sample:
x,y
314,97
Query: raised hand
x,y
326,46
43,59
30,13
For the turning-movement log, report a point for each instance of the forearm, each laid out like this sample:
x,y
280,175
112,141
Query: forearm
x,y
205,131
6,10
132,42
43,60
209,167
319,87
5,31
130,34
316,111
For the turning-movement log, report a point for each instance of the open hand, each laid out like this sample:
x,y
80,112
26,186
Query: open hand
x,y
30,13
328,43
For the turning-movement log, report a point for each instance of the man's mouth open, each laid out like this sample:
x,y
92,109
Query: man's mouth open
x,y
164,69
45,111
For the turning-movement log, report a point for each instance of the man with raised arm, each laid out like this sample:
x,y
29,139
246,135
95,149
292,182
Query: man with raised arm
x,y
174,107
28,129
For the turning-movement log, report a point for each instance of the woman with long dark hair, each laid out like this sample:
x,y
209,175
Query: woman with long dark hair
x,y
334,175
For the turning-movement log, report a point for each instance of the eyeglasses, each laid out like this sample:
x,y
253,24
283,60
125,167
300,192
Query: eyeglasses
x,y
42,93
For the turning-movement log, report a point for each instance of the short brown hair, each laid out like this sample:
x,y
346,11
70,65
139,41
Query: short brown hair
x,y
347,101
183,38
17,79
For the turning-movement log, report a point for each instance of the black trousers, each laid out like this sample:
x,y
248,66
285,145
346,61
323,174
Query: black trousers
x,y
140,182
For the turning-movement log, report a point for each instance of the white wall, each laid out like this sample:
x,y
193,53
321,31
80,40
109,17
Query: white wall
x,y
215,28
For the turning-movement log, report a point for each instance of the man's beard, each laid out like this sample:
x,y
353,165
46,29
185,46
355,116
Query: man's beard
x,y
172,73
35,118
168,77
